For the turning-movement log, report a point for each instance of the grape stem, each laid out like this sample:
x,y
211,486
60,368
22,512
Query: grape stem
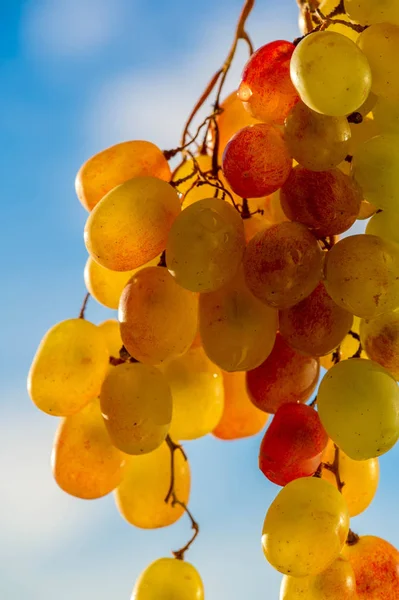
x,y
352,538
84,305
334,468
172,497
124,357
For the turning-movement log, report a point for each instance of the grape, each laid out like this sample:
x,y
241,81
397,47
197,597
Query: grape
x,y
111,332
386,116
358,403
140,497
327,202
205,245
347,348
283,264
272,210
385,225
380,339
338,581
380,44
130,225
366,211
115,165
369,12
168,578
237,330
158,318
326,7
266,90
285,376
316,141
293,444
254,225
240,417
361,275
376,566
256,161
85,463
136,404
231,119
330,73
361,133
359,476
197,391
315,326
198,192
68,368
305,527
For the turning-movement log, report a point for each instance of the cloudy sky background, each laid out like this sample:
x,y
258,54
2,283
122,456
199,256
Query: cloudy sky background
x,y
77,76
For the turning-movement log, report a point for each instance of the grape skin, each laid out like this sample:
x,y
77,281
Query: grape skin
x,y
169,578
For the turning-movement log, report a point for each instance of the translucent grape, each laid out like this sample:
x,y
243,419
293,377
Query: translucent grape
x,y
305,527
361,275
272,210
292,444
237,330
240,418
130,225
231,119
385,225
192,193
205,245
115,165
347,348
68,368
327,6
358,403
111,332
380,340
330,73
198,396
136,404
327,202
359,476
361,133
316,141
386,116
254,225
169,578
369,12
380,44
337,581
158,318
315,326
256,161
84,461
285,376
366,211
283,264
266,89
140,497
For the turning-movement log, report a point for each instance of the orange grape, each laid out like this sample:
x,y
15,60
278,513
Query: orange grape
x,y
111,331
169,579
231,119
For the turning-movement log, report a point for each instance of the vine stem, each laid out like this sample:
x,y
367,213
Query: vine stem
x,y
84,305
334,468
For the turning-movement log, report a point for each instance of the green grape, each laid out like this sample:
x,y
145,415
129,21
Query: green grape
x,y
136,404
369,12
169,579
316,141
237,330
385,225
205,245
158,318
380,44
358,404
305,527
386,116
380,340
68,368
362,275
330,73
198,396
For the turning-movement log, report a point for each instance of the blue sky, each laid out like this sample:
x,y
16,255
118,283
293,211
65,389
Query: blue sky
x,y
77,76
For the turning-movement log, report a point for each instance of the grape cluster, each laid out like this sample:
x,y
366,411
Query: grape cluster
x,y
233,288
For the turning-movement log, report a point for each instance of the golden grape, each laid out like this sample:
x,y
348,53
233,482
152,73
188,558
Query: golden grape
x,y
386,116
231,119
369,12
380,44
169,578
380,340
112,334
385,225
327,6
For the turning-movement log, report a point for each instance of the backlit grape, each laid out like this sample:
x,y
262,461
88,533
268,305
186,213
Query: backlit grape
x,y
380,44
103,284
380,340
369,12
169,578
327,7
386,116
231,119
385,225
111,332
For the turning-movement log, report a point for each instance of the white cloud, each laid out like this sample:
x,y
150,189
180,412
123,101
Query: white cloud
x,y
71,28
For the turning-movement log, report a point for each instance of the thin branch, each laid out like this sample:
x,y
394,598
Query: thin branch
x,y
84,305
334,468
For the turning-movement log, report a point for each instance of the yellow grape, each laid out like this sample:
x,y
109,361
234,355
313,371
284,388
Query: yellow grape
x,y
326,7
386,116
112,334
375,167
360,477
158,318
169,579
140,497
348,347
238,331
305,527
240,417
330,73
115,165
136,404
197,391
380,44
337,582
130,225
68,368
385,225
84,461
361,133
205,245
369,12
362,275
358,404
366,211
380,339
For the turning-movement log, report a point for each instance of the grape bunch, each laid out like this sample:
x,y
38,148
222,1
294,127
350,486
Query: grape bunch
x,y
237,279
